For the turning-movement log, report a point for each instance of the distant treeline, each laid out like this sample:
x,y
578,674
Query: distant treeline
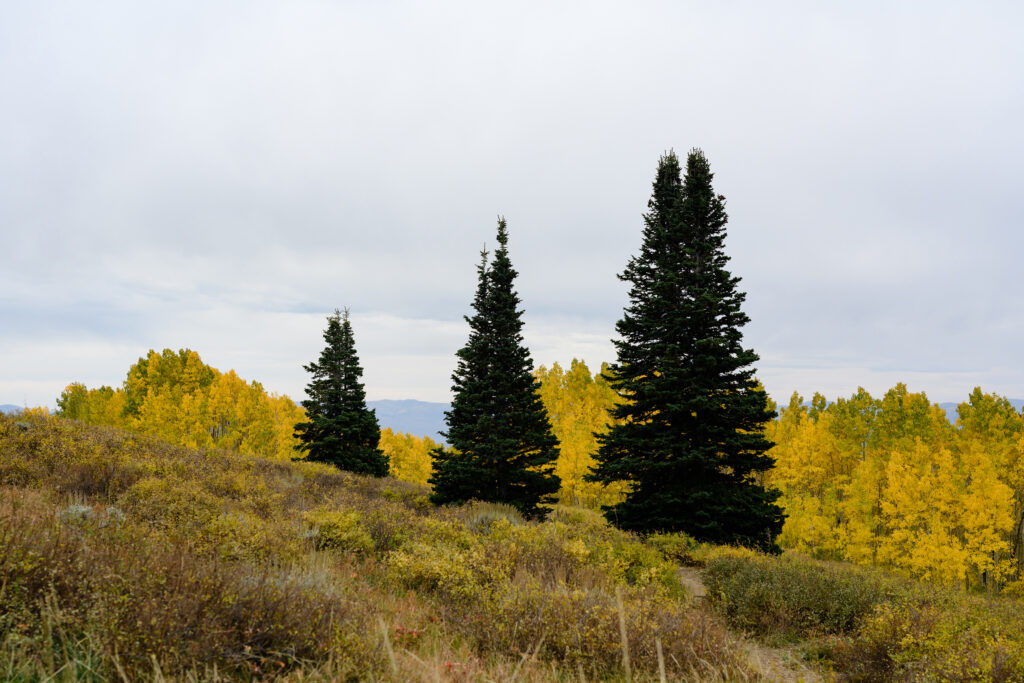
x,y
884,481
174,395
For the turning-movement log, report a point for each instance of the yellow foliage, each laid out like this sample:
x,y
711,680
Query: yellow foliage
x,y
38,411
176,397
811,471
577,404
875,481
891,482
169,503
408,455
338,530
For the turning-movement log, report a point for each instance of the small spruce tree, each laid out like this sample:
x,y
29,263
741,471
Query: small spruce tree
x,y
501,445
340,429
689,434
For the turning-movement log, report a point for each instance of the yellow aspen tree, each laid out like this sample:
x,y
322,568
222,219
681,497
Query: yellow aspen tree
x,y
921,506
158,415
853,422
177,397
239,419
805,473
577,403
255,419
106,407
905,417
987,516
894,424
194,421
782,430
989,423
285,414
1013,474
408,455
860,509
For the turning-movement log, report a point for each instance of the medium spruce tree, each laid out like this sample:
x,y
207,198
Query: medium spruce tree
x,y
688,436
340,429
501,445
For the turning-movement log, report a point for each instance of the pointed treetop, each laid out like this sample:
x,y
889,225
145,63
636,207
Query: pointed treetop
x,y
696,161
502,232
668,170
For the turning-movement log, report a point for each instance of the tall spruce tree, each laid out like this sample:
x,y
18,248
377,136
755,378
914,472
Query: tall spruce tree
x,y
689,436
501,445
340,429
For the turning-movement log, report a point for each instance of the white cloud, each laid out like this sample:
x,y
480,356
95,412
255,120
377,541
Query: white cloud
x,y
223,176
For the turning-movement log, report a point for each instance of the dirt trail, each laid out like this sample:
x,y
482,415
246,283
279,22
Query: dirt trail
x,y
775,664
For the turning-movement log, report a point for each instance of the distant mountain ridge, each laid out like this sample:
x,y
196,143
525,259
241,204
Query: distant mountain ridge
x,y
419,418
950,408
426,418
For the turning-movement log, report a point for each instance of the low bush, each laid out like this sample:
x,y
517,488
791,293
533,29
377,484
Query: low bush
x,y
479,515
679,548
338,530
963,639
871,625
135,595
790,597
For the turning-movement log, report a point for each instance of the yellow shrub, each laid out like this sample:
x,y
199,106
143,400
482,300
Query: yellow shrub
x,y
418,498
929,642
236,534
458,574
168,502
1014,589
338,530
233,483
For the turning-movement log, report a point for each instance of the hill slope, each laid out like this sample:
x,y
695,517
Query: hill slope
x,y
143,554
126,557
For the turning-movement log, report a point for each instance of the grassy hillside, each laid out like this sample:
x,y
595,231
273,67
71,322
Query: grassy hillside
x,y
126,557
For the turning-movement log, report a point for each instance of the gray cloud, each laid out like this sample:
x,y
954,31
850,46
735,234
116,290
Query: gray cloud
x,y
221,177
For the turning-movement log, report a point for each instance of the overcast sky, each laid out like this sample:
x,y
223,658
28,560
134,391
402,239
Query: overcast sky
x,y
221,176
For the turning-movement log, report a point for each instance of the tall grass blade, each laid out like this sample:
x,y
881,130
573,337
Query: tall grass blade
x,y
622,634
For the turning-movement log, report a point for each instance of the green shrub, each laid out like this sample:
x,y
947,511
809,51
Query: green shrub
x,y
790,597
